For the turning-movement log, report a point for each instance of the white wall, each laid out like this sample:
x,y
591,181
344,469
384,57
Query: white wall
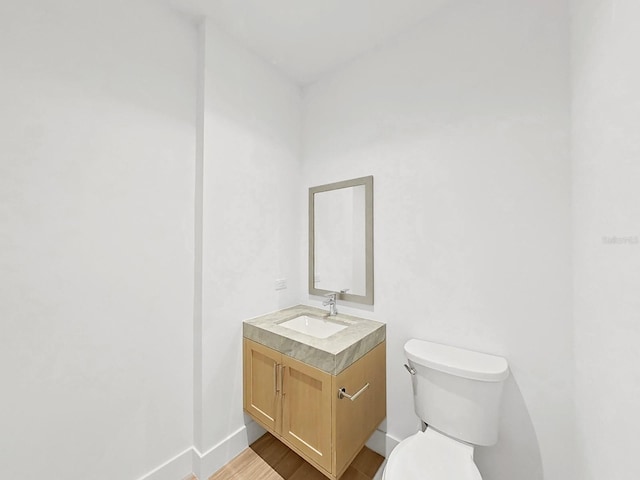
x,y
96,238
251,216
464,123
606,207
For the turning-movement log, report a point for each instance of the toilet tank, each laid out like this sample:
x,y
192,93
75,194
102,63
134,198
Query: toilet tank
x,y
457,391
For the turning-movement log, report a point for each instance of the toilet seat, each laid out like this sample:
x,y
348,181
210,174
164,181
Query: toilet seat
x,y
431,455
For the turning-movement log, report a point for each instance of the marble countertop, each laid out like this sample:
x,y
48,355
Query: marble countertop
x,y
332,354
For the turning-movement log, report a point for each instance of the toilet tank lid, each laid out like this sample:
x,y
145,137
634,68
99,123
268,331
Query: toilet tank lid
x,y
457,361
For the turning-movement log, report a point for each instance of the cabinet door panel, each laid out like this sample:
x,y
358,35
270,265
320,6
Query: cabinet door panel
x,y
261,400
306,421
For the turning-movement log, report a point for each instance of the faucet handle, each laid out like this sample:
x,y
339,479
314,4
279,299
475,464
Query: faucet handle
x,y
332,300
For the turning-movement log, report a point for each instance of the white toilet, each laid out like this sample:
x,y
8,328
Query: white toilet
x,y
457,393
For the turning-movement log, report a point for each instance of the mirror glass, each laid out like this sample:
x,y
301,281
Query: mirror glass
x,y
341,239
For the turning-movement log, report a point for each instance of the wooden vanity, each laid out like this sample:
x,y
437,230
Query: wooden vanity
x,y
298,387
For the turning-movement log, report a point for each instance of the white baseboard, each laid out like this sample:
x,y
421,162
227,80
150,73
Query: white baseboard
x,y
175,468
382,443
207,463
203,465
377,442
391,443
254,431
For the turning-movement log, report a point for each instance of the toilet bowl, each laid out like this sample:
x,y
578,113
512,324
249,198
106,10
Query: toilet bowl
x,y
457,393
430,455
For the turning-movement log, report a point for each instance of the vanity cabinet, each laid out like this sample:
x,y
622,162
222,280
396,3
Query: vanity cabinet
x,y
290,399
302,405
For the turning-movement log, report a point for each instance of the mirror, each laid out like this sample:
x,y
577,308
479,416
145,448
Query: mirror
x,y
341,240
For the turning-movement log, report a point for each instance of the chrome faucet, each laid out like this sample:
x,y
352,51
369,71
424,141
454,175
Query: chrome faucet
x,y
331,302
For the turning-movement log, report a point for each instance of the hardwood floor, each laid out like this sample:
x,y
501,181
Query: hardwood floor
x,y
269,459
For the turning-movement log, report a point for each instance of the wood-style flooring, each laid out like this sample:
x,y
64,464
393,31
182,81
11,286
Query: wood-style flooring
x,y
269,459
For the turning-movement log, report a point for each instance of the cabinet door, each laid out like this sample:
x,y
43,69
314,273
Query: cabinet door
x,y
261,389
306,410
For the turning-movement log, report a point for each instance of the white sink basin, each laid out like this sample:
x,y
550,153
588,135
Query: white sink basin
x,y
313,326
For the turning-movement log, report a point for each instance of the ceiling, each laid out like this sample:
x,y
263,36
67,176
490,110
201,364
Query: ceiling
x,y
309,38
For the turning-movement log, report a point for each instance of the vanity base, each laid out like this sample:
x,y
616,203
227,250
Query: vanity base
x,y
309,410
